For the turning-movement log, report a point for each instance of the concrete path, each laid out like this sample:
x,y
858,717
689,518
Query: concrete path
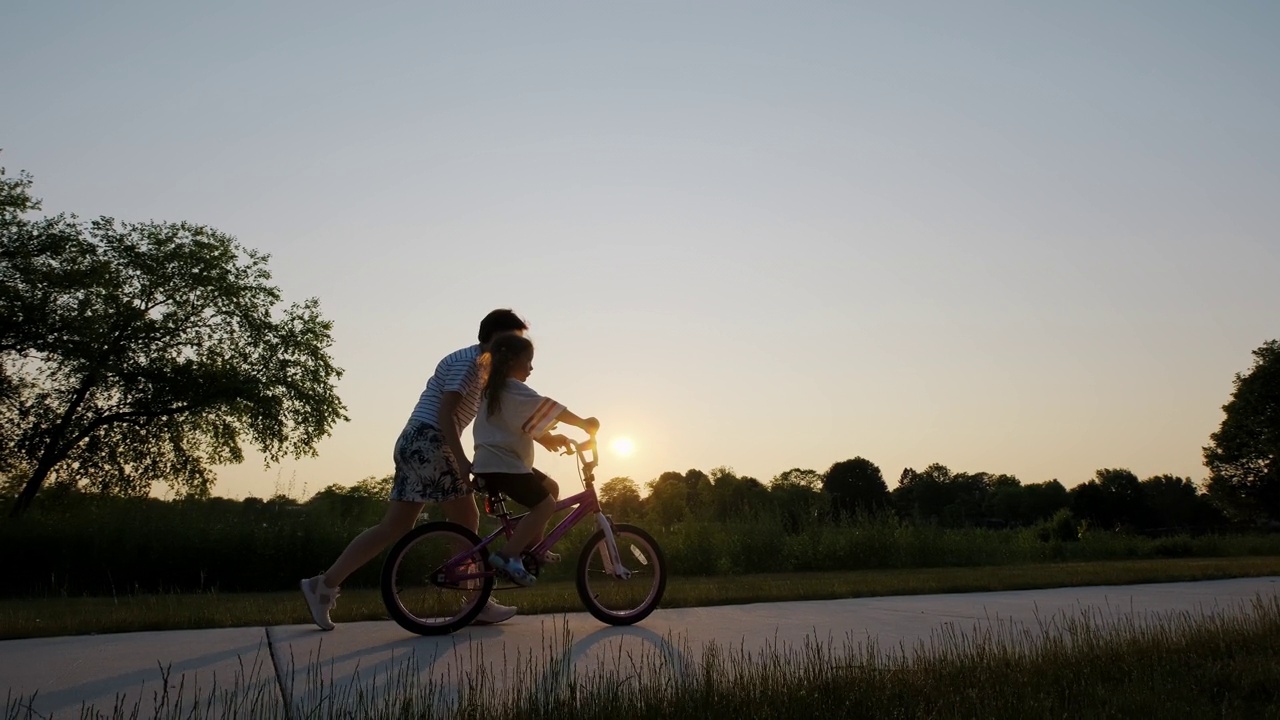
x,y
300,665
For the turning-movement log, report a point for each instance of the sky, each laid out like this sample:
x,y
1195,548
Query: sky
x,y
1026,238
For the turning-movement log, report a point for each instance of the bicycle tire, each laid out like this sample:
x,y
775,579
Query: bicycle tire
x,y
418,600
607,597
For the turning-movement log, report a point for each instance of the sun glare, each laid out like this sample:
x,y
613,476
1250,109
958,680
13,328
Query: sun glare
x,y
623,446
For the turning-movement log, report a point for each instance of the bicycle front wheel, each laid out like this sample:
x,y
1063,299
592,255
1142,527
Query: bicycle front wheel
x,y
426,594
627,597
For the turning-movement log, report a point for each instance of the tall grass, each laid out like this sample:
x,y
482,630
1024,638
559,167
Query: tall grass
x,y
885,542
1224,663
118,547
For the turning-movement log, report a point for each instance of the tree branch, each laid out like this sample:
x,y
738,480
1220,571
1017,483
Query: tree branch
x,y
126,417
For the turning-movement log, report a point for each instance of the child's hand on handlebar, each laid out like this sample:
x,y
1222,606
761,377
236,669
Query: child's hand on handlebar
x,y
555,442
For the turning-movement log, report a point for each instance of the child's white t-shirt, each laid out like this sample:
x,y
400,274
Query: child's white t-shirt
x,y
504,441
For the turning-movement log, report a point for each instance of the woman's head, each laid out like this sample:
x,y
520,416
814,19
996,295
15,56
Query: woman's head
x,y
498,322
508,356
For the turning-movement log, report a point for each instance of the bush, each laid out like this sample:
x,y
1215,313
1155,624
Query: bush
x,y
1062,527
1174,547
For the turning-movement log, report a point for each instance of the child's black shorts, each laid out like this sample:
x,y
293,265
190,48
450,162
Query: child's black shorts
x,y
528,489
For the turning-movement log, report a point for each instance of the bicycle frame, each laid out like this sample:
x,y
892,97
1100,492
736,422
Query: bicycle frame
x,y
586,502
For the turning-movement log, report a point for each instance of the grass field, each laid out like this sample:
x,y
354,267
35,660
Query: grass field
x,y
56,615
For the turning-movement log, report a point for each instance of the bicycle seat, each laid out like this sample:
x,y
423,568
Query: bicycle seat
x,y
495,503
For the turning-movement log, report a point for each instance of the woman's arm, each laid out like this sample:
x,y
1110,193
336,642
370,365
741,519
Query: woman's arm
x,y
452,437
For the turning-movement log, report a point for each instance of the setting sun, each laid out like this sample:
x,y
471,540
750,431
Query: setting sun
x,y
622,446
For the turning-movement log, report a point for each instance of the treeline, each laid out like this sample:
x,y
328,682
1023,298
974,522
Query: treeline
x,y
1113,500
81,544
718,522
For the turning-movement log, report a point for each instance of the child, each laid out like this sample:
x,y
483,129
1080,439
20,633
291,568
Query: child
x,y
511,417
431,466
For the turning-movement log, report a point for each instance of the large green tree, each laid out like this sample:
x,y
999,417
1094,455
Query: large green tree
x,y
140,353
856,486
667,502
797,496
1041,501
798,478
1176,502
1242,455
925,495
734,496
1112,499
620,497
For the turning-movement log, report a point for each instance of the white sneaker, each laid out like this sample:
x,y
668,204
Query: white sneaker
x,y
320,600
494,612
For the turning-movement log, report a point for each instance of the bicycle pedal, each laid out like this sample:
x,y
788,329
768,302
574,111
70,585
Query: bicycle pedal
x,y
531,564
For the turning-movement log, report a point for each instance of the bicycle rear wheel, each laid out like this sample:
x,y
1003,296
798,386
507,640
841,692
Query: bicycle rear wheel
x,y
422,594
622,600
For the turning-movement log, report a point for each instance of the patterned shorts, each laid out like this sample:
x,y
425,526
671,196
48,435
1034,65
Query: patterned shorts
x,y
425,471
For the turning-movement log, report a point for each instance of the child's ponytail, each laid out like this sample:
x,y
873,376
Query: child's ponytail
x,y
496,363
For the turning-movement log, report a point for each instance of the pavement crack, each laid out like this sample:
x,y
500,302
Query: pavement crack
x,y
275,665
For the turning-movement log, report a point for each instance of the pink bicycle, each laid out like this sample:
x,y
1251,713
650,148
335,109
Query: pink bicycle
x,y
437,578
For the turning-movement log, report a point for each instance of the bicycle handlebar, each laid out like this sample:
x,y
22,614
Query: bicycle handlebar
x,y
588,445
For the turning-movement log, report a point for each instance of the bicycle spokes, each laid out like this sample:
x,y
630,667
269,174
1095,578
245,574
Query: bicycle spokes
x,y
433,582
467,575
624,588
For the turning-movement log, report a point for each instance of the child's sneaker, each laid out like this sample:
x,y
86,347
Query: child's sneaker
x,y
320,600
511,569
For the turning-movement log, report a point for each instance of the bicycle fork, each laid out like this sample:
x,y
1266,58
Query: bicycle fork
x,y
609,555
